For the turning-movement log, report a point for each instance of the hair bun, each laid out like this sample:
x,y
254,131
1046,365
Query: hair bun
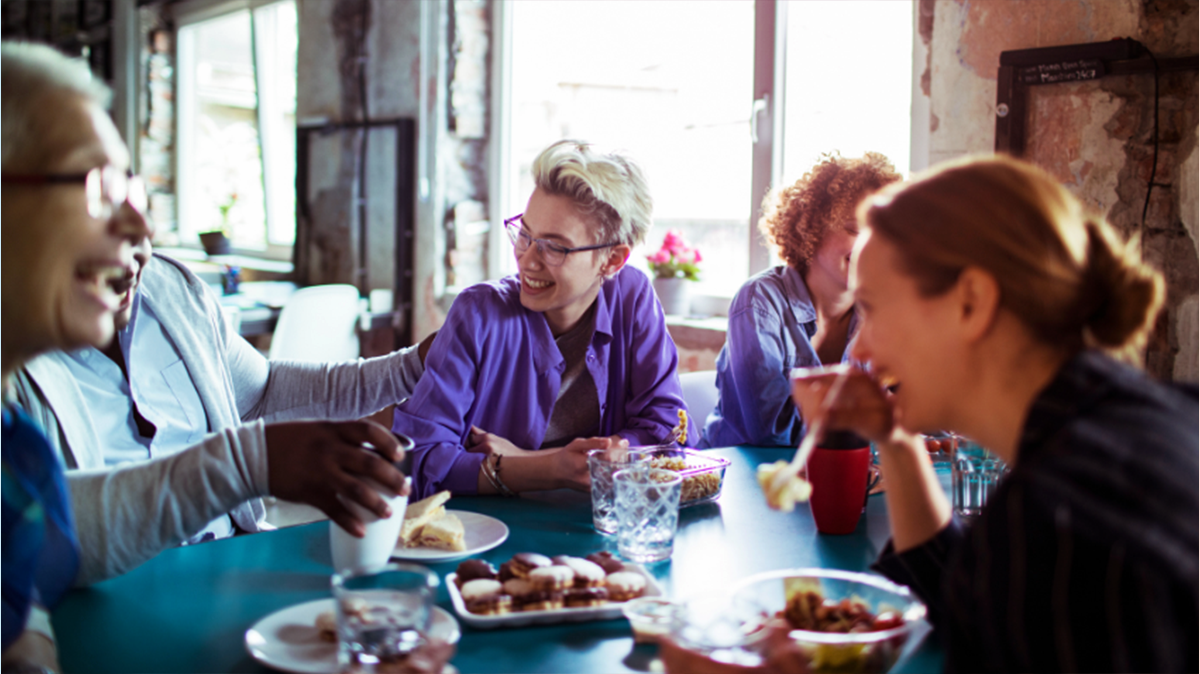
x,y
1122,293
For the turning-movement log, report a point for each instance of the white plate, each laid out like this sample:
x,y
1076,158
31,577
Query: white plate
x,y
288,639
481,533
609,611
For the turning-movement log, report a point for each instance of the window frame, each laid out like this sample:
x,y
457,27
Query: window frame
x,y
185,14
770,58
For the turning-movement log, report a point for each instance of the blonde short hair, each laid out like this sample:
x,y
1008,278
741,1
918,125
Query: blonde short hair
x,y
610,188
1062,271
28,72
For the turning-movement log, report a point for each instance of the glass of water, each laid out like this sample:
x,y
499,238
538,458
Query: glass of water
x,y
647,507
974,476
383,615
602,463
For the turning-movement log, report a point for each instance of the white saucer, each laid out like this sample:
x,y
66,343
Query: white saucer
x,y
482,533
289,641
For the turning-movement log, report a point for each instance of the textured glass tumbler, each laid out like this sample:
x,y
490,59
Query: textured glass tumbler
x,y
975,474
647,504
383,615
602,463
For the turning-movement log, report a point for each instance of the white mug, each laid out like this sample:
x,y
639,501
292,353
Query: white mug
x,y
374,548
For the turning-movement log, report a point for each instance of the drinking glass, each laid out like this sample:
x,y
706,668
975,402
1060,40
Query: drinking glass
x,y
647,507
383,614
602,463
974,477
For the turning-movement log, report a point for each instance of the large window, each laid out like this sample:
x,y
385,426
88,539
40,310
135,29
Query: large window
x,y
237,128
849,82
670,83
674,84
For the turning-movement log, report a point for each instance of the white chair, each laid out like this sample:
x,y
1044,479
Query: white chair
x,y
317,323
699,394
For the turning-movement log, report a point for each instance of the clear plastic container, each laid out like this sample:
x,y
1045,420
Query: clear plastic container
x,y
703,474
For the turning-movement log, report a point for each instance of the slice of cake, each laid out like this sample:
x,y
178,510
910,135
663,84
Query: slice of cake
x,y
443,533
418,514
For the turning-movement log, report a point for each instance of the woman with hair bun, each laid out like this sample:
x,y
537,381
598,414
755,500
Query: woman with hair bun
x,y
798,314
992,304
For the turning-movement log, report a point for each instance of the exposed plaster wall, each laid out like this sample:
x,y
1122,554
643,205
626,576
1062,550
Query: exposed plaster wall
x,y
331,38
333,34
450,68
1094,136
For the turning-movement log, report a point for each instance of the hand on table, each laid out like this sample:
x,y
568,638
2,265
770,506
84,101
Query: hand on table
x,y
315,462
862,406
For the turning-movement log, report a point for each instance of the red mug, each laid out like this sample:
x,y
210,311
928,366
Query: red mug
x,y
838,470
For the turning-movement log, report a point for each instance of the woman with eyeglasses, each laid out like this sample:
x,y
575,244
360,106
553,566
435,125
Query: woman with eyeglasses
x,y
568,355
69,224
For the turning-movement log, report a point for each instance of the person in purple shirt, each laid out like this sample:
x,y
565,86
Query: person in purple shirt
x,y
570,354
799,314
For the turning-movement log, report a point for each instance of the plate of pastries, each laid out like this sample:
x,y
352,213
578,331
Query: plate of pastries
x,y
532,588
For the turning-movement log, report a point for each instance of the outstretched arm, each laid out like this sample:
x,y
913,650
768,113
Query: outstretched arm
x,y
283,390
128,514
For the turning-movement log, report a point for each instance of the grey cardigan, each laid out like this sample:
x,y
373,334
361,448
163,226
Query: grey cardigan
x,y
129,513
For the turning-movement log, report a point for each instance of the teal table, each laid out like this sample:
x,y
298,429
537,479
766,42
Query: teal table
x,y
188,609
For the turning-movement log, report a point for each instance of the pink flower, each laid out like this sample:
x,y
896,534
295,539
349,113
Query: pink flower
x,y
698,259
661,257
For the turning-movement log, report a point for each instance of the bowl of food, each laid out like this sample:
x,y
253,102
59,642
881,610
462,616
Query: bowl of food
x,y
841,621
703,474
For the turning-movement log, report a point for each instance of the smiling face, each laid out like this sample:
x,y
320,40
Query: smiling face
x,y
127,286
59,263
566,291
908,340
832,259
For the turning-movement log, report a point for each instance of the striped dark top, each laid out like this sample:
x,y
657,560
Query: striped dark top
x,y
1085,558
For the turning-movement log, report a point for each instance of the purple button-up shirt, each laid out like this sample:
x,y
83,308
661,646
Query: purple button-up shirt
x,y
495,365
771,320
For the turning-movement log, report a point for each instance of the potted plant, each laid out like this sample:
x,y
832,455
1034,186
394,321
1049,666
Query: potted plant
x,y
674,266
216,242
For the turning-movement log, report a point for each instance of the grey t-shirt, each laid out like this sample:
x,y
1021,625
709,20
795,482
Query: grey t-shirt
x,y
576,411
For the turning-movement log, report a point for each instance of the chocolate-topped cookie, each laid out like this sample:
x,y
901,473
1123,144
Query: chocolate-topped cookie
x,y
587,574
506,572
473,569
524,562
625,585
585,597
485,596
553,577
606,561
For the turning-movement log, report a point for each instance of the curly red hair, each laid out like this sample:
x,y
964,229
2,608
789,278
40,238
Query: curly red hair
x,y
796,219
